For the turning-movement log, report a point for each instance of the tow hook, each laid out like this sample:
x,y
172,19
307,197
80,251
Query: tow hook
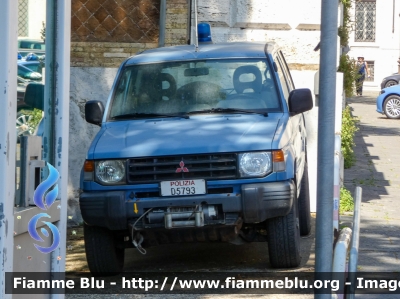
x,y
137,241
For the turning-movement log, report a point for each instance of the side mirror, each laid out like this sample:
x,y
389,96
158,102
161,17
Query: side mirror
x,y
34,95
94,111
300,100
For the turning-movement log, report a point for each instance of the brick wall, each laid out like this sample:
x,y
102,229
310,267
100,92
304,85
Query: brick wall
x,y
104,54
177,22
104,33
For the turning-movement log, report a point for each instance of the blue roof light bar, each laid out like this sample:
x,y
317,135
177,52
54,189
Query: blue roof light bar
x,y
204,32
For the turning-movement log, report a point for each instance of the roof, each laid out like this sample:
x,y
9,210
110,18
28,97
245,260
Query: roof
x,y
205,51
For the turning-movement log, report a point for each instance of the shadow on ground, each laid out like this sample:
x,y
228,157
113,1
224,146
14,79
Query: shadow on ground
x,y
220,257
377,171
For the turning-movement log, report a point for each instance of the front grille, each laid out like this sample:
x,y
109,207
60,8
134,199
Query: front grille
x,y
156,169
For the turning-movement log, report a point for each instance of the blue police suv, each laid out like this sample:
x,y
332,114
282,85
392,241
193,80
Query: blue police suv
x,y
198,144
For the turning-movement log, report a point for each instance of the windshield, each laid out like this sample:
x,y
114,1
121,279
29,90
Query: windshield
x,y
177,88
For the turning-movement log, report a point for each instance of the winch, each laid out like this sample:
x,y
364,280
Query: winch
x,y
182,216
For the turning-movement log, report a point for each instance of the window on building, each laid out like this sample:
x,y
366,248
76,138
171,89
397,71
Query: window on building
x,y
365,21
371,68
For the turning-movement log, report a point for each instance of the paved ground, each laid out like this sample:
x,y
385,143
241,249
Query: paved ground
x,y
377,171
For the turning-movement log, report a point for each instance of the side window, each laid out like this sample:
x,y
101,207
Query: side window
x,y
282,78
121,94
286,71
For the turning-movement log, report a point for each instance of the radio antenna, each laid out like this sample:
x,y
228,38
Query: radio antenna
x,y
196,40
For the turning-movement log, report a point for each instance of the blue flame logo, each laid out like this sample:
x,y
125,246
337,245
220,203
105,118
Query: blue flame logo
x,y
43,198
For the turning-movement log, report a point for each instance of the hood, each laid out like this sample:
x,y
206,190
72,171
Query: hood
x,y
393,76
198,134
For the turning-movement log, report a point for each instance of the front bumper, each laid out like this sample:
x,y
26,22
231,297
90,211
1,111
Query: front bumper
x,y
256,203
379,102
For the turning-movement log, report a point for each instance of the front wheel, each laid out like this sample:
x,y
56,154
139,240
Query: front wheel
x,y
391,107
284,239
103,256
390,83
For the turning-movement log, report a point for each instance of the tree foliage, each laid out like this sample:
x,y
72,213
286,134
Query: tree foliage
x,y
43,31
347,65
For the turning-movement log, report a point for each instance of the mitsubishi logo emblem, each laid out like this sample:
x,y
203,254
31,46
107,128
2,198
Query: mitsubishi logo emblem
x,y
182,169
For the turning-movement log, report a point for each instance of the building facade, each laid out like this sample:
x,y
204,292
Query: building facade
x,y
376,36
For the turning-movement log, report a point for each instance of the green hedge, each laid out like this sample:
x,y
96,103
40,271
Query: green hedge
x,y
349,129
346,201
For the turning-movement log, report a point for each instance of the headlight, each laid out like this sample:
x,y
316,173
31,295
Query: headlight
x,y
110,171
256,164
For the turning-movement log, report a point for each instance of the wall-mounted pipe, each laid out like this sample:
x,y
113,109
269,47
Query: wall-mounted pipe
x,y
196,37
189,21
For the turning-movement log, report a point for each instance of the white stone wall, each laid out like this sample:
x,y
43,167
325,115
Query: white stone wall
x,y
36,15
282,21
90,83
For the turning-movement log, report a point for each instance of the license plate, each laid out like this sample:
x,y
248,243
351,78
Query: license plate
x,y
183,187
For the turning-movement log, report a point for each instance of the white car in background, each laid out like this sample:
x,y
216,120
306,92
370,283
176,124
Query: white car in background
x,y
29,45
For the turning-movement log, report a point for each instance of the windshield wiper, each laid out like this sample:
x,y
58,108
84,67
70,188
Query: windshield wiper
x,y
146,115
229,110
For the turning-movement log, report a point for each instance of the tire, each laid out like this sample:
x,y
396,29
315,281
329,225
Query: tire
x,y
104,258
304,204
284,239
22,124
391,107
390,83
